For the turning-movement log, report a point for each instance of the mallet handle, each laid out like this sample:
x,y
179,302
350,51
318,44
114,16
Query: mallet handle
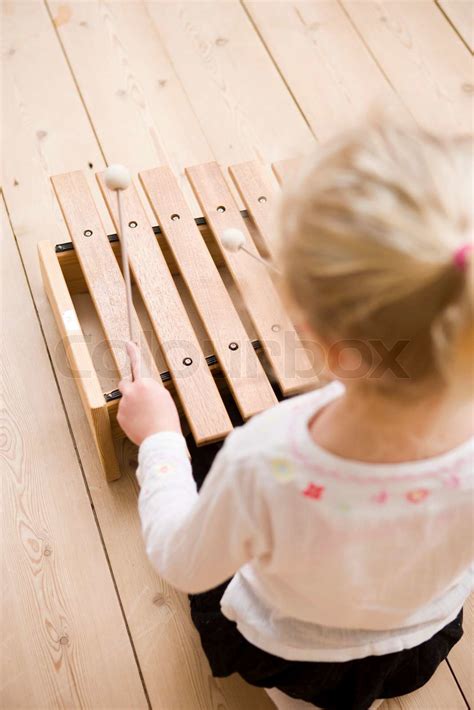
x,y
266,263
125,269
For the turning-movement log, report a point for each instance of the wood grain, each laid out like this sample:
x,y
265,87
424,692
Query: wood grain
x,y
290,362
38,94
101,271
322,59
58,596
440,693
236,92
258,194
461,658
425,62
131,88
198,393
245,375
461,14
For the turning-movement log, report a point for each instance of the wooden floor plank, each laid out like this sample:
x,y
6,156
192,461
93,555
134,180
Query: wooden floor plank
x,y
323,59
140,112
289,360
64,640
38,94
44,126
461,658
236,92
428,66
246,377
461,15
440,693
192,378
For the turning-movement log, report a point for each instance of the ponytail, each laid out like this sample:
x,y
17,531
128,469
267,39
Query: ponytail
x,y
374,245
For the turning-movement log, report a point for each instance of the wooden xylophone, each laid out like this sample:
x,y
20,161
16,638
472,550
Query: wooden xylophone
x,y
187,282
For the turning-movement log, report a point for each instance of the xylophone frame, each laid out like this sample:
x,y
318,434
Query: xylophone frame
x,y
190,247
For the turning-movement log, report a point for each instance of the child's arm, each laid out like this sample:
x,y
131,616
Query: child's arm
x,y
195,541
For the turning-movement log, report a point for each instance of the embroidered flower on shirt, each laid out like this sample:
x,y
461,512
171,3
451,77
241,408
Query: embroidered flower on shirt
x,y
452,482
380,497
345,507
313,491
282,470
418,495
165,468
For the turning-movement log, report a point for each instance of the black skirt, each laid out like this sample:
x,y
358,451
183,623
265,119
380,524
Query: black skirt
x,y
351,685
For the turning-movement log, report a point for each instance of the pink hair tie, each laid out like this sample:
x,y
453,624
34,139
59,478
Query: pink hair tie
x,y
460,256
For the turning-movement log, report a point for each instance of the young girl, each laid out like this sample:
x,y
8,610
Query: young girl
x,y
342,518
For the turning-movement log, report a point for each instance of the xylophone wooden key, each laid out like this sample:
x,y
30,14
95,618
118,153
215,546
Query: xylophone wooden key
x,y
289,359
101,270
258,196
237,358
196,388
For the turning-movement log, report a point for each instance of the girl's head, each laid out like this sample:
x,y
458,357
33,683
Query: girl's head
x,y
373,254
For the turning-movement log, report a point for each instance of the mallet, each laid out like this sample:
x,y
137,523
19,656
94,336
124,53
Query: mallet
x,y
234,240
117,178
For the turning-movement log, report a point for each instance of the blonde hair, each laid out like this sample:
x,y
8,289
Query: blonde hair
x,y
369,233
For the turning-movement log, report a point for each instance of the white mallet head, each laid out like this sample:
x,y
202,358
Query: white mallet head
x,y
232,239
117,177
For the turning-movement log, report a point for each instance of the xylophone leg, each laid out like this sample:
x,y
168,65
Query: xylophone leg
x,y
100,424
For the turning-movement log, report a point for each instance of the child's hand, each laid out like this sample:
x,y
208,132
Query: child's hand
x,y
146,406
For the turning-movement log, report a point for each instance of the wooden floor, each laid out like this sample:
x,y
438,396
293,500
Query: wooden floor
x,y
85,621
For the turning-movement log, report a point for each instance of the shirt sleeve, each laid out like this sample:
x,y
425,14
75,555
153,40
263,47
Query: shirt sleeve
x,y
196,540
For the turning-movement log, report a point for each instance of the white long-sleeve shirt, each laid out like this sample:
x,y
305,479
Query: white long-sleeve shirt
x,y
333,559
